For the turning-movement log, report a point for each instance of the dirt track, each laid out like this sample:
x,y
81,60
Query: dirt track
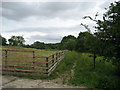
x,y
15,82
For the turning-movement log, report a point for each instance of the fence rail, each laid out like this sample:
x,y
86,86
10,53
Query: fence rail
x,y
40,65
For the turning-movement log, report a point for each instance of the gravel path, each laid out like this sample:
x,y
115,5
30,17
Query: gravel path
x,y
16,82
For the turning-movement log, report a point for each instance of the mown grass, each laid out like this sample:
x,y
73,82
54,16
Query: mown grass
x,y
38,52
25,58
103,76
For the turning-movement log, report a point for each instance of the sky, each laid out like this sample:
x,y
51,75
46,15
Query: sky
x,y
47,21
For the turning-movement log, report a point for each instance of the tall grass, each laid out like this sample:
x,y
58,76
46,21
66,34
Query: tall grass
x,y
103,76
67,63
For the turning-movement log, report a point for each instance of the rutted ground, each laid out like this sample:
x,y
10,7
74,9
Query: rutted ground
x,y
16,82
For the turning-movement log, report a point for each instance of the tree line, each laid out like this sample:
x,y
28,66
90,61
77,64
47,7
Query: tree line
x,y
69,42
104,42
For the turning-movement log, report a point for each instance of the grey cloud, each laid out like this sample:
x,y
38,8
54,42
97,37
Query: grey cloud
x,y
20,10
59,6
16,11
53,35
47,39
46,29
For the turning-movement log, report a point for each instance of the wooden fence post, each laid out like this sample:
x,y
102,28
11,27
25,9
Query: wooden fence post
x,y
5,58
33,59
59,55
33,56
47,65
62,55
53,58
94,57
56,56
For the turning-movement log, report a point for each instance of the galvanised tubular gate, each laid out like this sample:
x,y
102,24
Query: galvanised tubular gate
x,y
34,66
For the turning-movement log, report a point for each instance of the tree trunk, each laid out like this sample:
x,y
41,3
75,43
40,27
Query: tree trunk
x,y
94,57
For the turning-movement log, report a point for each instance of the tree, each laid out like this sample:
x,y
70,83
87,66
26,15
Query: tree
x,y
52,46
38,45
109,33
68,42
107,42
16,40
2,41
71,44
84,42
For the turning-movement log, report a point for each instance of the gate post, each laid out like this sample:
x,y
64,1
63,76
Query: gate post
x,y
56,56
53,58
47,66
5,58
33,56
33,59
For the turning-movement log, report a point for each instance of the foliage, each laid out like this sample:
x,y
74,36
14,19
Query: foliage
x,y
3,41
52,46
38,45
68,42
106,39
16,41
109,33
84,42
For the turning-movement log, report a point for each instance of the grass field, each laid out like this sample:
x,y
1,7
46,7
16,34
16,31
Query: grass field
x,y
38,52
23,57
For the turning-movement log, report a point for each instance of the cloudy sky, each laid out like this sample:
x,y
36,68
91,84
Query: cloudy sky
x,y
48,21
